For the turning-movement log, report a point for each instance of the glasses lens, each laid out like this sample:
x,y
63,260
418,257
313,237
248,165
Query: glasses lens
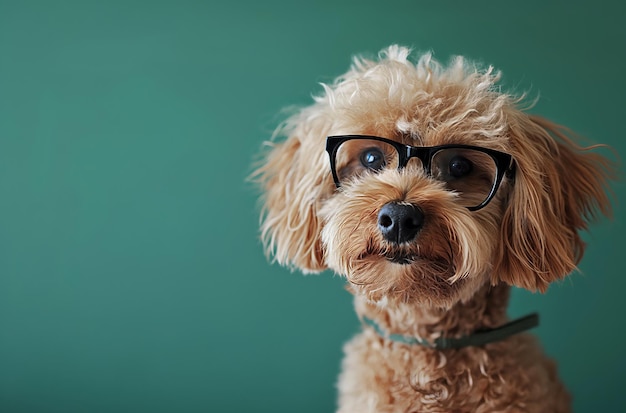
x,y
468,172
356,157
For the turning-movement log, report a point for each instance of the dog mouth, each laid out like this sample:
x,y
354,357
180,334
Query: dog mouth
x,y
395,256
436,264
400,258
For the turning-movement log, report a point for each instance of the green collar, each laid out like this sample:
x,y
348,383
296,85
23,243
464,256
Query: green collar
x,y
479,338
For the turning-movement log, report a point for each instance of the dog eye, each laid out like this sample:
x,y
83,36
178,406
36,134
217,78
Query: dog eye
x,y
460,167
373,158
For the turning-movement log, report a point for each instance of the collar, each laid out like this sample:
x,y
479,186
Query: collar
x,y
478,338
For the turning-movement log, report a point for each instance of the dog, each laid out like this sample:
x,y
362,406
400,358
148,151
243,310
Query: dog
x,y
433,192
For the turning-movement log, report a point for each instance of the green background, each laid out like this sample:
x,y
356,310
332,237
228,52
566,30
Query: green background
x,y
131,275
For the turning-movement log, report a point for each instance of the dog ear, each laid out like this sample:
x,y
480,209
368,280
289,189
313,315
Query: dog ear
x,y
294,176
559,187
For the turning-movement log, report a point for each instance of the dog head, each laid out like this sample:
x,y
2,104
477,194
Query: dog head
x,y
432,184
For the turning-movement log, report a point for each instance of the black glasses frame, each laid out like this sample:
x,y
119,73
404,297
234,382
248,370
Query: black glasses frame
x,y
505,165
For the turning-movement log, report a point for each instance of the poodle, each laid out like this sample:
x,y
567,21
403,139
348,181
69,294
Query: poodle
x,y
433,192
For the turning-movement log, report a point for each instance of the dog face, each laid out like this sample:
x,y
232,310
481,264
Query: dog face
x,y
442,185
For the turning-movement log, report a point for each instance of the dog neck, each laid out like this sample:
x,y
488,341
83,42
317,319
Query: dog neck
x,y
485,310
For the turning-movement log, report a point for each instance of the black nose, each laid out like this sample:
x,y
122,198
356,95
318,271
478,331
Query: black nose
x,y
400,222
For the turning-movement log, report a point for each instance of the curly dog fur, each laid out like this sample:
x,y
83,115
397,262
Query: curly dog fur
x,y
462,262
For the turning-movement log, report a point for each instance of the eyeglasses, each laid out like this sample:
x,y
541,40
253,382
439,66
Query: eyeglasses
x,y
473,173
